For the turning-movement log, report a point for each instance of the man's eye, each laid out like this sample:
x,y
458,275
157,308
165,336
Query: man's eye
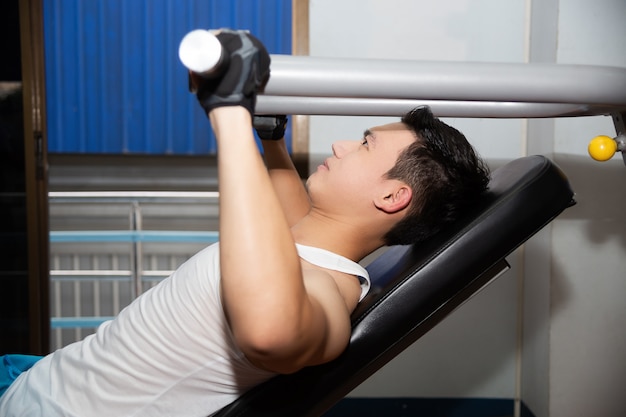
x,y
364,141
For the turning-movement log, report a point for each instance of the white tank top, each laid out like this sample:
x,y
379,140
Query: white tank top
x,y
334,262
170,352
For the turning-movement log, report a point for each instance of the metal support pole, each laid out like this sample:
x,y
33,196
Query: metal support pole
x,y
136,251
619,120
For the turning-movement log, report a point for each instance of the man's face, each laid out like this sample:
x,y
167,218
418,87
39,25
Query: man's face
x,y
355,172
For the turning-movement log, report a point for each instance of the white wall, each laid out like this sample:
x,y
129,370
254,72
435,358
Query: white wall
x,y
402,29
551,330
588,337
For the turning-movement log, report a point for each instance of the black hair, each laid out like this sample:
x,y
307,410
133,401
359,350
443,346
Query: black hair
x,y
444,172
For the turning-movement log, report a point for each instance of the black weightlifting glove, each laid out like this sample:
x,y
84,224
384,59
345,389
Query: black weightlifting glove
x,y
247,73
270,127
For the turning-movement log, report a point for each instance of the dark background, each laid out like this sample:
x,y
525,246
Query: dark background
x,y
13,231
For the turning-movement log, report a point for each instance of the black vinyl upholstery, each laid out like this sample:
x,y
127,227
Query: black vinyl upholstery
x,y
415,287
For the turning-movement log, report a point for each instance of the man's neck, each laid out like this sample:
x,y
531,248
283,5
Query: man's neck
x,y
342,237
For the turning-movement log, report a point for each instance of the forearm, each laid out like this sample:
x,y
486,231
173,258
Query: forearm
x,y
286,181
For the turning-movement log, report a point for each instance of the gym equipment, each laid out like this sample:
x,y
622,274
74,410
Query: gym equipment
x,y
376,87
306,85
415,287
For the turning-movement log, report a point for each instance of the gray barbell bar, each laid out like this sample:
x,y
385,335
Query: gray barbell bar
x,y
339,106
344,86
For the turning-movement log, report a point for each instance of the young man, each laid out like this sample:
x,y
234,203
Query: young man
x,y
276,294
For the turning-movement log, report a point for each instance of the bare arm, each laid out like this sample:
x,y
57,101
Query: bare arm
x,y
286,181
283,319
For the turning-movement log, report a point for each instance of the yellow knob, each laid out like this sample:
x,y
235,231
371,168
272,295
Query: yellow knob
x,y
602,148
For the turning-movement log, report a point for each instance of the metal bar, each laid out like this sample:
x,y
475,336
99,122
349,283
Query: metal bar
x,y
104,274
77,308
133,236
58,336
88,273
341,106
77,304
95,285
130,196
619,120
77,322
136,259
116,297
156,275
115,285
592,88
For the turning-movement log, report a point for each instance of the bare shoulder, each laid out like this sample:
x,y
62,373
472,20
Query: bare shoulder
x,y
323,282
334,295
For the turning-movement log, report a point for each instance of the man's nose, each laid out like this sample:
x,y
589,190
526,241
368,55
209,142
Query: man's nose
x,y
340,148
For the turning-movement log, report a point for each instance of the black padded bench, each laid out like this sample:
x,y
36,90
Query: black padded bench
x,y
415,287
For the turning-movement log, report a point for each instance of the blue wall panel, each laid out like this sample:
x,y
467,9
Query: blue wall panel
x,y
114,81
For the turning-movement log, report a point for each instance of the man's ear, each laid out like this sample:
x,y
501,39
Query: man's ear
x,y
395,199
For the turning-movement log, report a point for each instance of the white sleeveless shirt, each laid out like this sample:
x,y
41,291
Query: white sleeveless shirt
x,y
169,353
